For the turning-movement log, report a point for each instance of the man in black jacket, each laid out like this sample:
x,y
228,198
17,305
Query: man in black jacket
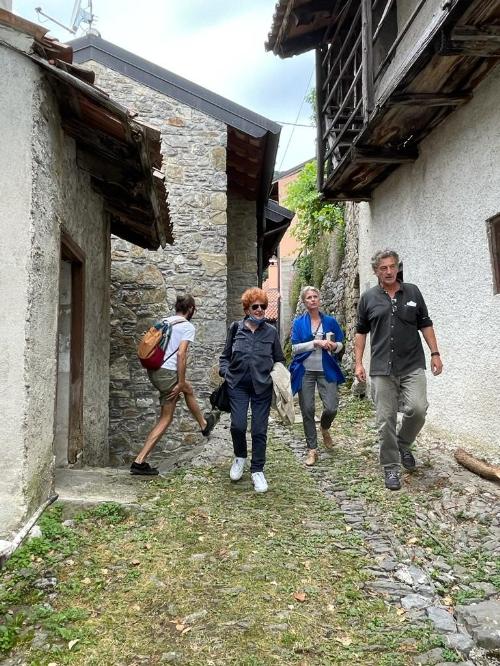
x,y
394,312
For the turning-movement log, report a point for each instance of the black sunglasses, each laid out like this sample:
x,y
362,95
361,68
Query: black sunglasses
x,y
256,306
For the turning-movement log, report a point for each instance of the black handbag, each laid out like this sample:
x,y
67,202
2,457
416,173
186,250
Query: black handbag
x,y
219,399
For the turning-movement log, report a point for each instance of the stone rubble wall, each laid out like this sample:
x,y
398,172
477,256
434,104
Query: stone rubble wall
x,y
145,284
340,288
241,253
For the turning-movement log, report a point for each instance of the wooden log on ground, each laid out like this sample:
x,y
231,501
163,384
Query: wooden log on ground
x,y
479,467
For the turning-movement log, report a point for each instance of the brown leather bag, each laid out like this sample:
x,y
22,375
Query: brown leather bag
x,y
149,342
153,345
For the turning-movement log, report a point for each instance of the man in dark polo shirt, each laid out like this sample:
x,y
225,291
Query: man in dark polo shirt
x,y
393,313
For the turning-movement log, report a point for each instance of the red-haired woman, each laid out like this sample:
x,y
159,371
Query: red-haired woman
x,y
252,348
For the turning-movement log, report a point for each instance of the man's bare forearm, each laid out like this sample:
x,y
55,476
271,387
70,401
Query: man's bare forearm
x,y
181,367
430,338
359,348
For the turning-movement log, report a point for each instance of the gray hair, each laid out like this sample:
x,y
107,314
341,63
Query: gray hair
x,y
307,288
384,254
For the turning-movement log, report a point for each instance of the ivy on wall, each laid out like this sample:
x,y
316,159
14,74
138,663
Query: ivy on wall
x,y
316,220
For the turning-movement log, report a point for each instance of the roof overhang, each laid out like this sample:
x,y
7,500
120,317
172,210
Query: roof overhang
x,y
278,220
122,156
252,139
300,25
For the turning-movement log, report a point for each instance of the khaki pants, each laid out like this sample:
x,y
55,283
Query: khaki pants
x,y
388,393
164,381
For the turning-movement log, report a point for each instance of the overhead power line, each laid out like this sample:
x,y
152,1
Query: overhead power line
x,y
284,122
296,123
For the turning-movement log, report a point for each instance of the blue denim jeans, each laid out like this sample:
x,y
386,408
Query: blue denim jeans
x,y
240,398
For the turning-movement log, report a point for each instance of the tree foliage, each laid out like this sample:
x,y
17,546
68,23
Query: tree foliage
x,y
315,216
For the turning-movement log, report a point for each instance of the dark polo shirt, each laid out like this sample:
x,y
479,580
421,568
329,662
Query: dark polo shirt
x,y
255,353
396,346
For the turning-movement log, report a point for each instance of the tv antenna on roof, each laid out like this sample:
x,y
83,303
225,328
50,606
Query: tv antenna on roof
x,y
78,16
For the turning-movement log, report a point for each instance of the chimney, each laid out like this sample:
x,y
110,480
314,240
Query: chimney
x,y
6,4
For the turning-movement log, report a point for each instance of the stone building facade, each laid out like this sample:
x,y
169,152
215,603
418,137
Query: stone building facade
x,y
214,255
144,284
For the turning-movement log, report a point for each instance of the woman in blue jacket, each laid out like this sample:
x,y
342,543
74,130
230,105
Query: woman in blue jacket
x,y
316,339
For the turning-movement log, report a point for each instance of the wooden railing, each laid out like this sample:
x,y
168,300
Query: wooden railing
x,y
363,41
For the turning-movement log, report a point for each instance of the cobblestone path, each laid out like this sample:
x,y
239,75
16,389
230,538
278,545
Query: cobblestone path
x,y
434,546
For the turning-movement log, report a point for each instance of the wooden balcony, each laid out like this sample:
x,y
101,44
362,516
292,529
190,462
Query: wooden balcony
x,y
384,78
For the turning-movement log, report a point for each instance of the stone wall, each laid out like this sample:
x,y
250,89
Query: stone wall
x,y
144,284
241,252
340,288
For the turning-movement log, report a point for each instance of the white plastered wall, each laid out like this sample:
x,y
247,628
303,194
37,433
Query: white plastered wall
x,y
15,201
434,213
42,190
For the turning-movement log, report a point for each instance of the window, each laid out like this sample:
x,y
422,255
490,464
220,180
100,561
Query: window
x,y
493,230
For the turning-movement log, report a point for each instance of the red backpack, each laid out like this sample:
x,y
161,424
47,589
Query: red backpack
x,y
153,345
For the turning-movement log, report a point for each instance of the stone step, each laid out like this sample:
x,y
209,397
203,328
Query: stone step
x,y
84,488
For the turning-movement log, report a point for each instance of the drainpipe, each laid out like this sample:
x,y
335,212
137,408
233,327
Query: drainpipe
x,y
7,548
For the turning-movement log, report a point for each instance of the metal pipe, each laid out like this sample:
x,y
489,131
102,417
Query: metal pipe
x,y
13,545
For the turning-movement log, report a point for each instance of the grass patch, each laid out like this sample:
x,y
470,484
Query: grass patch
x,y
211,572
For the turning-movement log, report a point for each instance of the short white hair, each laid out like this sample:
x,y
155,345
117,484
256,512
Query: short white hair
x,y
307,288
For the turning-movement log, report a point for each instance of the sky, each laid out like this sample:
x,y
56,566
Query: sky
x,y
218,44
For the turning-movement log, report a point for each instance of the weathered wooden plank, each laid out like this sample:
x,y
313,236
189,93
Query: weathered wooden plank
x,y
320,121
476,33
367,57
340,195
482,41
306,14
375,155
429,99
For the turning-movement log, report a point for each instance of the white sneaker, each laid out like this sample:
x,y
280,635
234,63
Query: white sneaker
x,y
237,469
259,482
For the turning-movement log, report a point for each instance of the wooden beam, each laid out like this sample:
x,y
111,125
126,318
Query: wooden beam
x,y
320,120
118,172
367,57
476,33
340,195
429,99
307,14
481,41
376,155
